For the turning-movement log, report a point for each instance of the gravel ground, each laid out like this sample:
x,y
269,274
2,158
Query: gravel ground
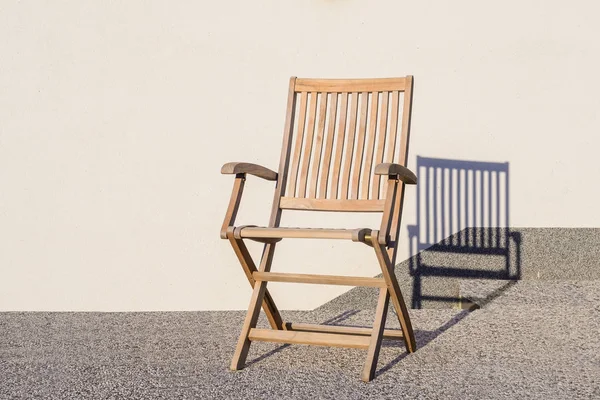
x,y
535,339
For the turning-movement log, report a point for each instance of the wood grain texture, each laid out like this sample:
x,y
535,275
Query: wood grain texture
x,y
327,156
295,161
405,136
388,211
365,180
387,269
319,279
299,233
393,131
350,139
234,204
248,168
331,163
292,203
391,334
350,85
260,288
308,145
318,147
357,160
377,336
243,344
339,147
381,143
312,338
248,266
286,148
401,172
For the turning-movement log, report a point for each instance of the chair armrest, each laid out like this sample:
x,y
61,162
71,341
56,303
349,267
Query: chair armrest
x,y
403,173
247,168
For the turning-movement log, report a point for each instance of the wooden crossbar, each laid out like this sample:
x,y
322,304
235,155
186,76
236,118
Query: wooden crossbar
x,y
392,334
293,203
319,279
313,338
350,85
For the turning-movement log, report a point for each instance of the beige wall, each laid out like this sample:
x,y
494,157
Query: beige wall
x,y
115,119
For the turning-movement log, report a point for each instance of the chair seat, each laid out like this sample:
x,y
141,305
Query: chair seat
x,y
258,233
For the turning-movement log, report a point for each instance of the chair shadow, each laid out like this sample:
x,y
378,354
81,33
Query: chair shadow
x,y
423,338
462,208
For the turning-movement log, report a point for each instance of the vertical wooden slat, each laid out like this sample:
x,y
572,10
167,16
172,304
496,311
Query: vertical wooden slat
x,y
349,146
323,180
370,148
393,131
318,147
339,147
360,145
295,162
308,143
381,144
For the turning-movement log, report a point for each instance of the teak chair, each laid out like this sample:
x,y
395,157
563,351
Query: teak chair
x,y
342,151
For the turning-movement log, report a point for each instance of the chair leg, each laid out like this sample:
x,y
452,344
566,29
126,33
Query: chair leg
x,y
243,255
396,296
377,336
243,344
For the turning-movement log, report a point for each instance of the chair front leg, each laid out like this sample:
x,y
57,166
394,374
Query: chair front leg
x,y
243,344
258,297
241,251
376,336
396,295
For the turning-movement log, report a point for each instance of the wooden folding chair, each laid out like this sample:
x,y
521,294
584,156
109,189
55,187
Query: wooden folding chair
x,y
341,152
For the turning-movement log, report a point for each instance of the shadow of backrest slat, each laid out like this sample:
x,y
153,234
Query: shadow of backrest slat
x,y
462,208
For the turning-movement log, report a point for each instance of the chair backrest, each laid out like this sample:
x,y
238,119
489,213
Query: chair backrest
x,y
454,195
337,131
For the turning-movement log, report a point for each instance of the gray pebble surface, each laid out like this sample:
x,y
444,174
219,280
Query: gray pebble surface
x,y
535,339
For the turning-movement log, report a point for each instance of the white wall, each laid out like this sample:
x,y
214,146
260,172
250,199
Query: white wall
x,y
115,119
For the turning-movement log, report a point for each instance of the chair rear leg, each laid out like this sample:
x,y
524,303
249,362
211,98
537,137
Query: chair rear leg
x,y
243,344
377,336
